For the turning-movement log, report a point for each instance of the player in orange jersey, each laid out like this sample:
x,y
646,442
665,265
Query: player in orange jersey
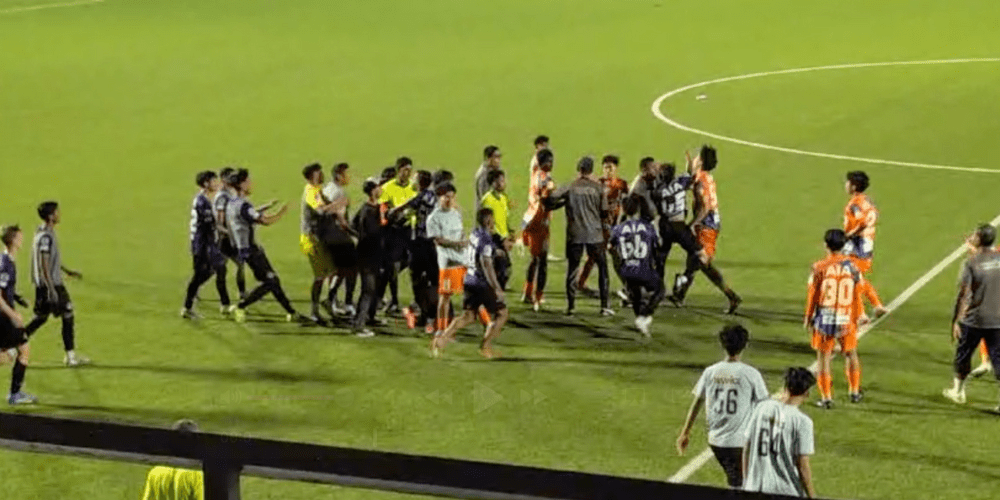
x,y
535,229
705,226
860,219
834,308
541,142
615,188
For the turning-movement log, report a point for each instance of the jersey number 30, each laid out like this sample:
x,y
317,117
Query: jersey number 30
x,y
837,293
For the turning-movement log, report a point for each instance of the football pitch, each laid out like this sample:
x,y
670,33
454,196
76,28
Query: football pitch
x,y
112,107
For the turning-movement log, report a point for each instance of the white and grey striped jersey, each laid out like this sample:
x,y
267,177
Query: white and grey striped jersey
x,y
45,250
777,435
731,389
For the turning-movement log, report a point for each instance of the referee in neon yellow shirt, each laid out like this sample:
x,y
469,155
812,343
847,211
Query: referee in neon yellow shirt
x,y
171,483
496,199
397,192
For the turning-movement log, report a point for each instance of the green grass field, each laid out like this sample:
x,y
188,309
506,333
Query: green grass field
x,y
111,108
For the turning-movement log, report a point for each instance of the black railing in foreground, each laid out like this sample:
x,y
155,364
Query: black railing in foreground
x,y
225,458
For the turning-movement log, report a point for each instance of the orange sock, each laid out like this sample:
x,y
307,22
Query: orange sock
x,y
484,316
854,379
825,383
984,353
442,323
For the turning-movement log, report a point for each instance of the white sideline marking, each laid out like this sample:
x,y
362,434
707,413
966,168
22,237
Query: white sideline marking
x,y
659,102
28,8
703,458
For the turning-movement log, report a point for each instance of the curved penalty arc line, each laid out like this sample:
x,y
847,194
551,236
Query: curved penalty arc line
x,y
658,103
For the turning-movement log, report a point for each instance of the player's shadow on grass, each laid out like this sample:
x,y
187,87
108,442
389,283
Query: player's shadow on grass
x,y
235,374
651,363
957,462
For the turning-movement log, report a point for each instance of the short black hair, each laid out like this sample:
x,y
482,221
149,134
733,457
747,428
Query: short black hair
x,y
631,204
613,159
645,161
369,185
339,168
835,239
493,175
204,178
311,169
8,233
226,172
799,380
239,177
424,179
545,156
668,171
709,158
585,166
442,176
986,234
403,161
541,139
859,180
46,209
489,151
482,214
387,173
733,338
444,188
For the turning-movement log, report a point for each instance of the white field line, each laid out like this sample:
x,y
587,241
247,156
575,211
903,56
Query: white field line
x,y
28,8
700,460
657,104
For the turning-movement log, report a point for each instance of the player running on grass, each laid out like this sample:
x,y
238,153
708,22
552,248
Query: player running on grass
x,y
729,390
780,441
13,339
482,289
705,226
444,227
51,297
220,202
208,260
634,243
536,230
833,314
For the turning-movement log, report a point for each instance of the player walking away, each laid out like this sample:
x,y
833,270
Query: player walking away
x,y
634,242
395,193
444,227
491,162
242,218
205,253
496,199
977,308
586,207
645,184
423,261
335,234
670,199
220,203
13,339
705,226
780,441
373,261
314,208
171,483
536,230
51,297
833,313
615,188
482,289
730,388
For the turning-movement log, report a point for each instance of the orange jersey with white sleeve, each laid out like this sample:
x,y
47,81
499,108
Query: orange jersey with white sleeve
x,y
834,301
860,219
541,185
706,198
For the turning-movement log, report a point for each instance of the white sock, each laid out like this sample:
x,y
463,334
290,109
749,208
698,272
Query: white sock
x,y
959,385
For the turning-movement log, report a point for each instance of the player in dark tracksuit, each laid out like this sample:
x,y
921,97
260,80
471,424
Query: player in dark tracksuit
x,y
373,259
423,253
51,297
13,339
635,242
208,260
669,196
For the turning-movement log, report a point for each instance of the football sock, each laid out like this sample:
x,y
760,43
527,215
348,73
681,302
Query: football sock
x,y
959,385
984,353
825,383
220,285
854,379
316,292
241,282
17,376
484,316
69,342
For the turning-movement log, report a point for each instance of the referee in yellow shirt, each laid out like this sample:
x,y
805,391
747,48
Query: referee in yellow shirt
x,y
171,483
313,206
496,199
396,192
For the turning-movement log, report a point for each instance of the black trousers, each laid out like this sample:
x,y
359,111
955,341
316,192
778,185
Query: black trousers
x,y
374,278
207,262
54,303
672,232
501,263
574,254
731,460
638,288
258,263
424,277
968,343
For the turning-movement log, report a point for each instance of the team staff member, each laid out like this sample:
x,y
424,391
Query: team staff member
x,y
208,259
368,224
586,207
51,297
615,188
13,340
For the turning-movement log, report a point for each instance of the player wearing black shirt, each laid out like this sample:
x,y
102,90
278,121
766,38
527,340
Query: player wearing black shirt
x,y
423,253
369,225
205,253
13,339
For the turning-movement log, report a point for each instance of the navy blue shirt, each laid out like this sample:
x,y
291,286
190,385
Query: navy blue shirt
x,y
422,204
482,248
8,279
636,243
671,198
202,224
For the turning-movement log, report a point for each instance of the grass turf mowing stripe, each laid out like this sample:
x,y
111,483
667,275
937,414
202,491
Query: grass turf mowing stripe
x,y
28,8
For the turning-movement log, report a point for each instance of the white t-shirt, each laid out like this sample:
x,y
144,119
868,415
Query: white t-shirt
x,y
731,389
447,224
777,435
333,192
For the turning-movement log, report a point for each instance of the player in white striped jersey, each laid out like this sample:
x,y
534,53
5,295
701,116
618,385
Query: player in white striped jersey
x,y
780,441
729,389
